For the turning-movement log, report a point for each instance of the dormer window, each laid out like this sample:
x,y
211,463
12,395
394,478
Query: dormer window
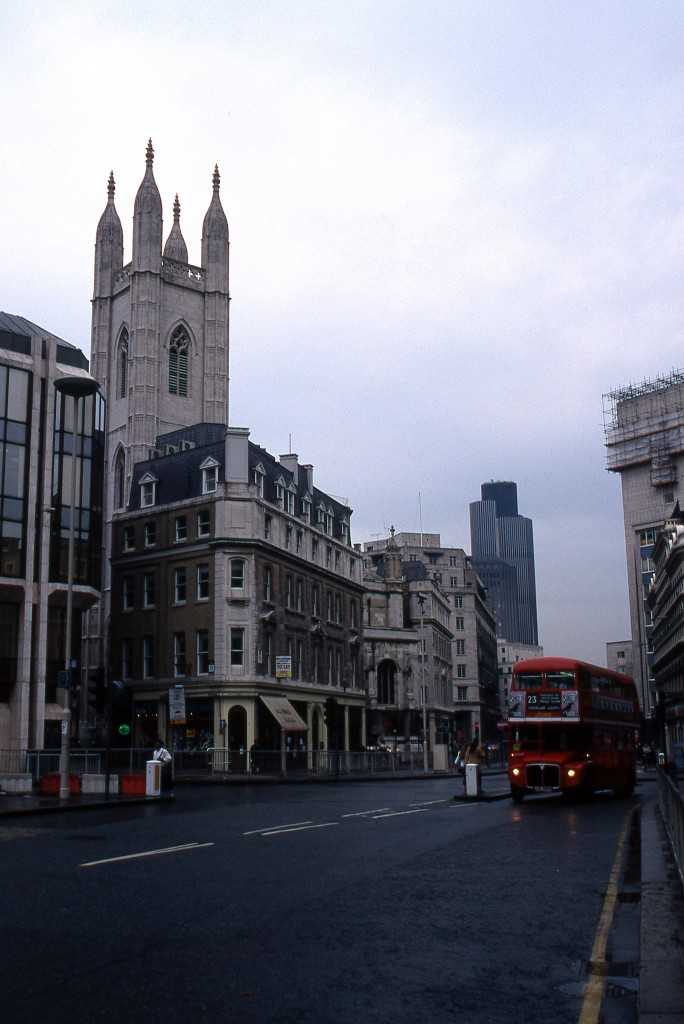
x,y
325,519
209,476
259,478
148,490
306,507
289,501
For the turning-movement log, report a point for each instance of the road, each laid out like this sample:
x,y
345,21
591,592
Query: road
x,y
326,903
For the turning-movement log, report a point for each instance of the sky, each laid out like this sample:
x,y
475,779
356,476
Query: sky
x,y
455,226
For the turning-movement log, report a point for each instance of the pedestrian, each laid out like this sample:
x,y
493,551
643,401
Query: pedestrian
x,y
474,754
162,755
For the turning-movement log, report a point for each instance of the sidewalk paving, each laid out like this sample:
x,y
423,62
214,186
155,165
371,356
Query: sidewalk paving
x,y
661,955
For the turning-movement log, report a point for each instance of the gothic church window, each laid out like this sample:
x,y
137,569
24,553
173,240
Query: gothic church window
x,y
120,481
178,363
122,389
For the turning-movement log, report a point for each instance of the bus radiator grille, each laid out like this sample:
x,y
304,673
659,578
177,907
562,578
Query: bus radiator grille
x,y
543,776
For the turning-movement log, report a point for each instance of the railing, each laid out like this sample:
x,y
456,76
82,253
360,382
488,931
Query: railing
x,y
81,762
284,763
672,810
220,762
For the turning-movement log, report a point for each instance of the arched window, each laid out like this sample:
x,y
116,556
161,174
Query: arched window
x,y
387,682
178,363
122,389
120,481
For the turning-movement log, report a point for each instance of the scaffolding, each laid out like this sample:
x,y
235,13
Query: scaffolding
x,y
645,423
612,399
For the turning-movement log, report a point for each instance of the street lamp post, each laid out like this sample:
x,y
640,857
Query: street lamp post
x,y
423,683
75,388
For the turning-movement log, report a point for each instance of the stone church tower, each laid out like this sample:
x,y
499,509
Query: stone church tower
x,y
159,345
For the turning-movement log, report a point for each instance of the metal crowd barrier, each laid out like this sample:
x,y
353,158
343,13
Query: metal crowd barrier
x,y
672,810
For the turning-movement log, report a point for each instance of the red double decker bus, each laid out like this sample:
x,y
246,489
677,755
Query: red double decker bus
x,y
572,728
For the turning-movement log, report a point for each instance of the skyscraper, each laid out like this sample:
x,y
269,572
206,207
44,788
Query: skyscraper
x,y
503,553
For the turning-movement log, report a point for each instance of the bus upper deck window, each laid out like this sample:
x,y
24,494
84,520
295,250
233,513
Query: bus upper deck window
x,y
560,681
528,681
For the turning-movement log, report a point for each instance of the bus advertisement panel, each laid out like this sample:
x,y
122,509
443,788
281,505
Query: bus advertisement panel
x,y
572,728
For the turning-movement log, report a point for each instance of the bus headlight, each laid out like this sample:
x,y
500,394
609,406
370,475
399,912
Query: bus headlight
x,y
571,773
515,771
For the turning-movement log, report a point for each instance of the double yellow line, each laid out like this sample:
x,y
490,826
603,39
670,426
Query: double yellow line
x,y
598,966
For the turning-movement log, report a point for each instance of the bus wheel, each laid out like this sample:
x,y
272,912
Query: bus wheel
x,y
517,794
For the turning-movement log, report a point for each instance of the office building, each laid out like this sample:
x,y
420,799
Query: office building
x,y
36,451
502,552
644,438
664,601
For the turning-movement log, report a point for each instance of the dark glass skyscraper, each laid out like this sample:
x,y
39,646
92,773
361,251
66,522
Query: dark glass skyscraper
x,y
503,553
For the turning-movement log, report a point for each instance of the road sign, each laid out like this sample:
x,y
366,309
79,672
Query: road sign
x,y
64,677
177,705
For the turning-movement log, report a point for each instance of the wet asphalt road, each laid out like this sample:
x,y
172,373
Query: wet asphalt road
x,y
327,903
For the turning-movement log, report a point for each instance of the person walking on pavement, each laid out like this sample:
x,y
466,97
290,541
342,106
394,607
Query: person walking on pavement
x,y
162,755
474,754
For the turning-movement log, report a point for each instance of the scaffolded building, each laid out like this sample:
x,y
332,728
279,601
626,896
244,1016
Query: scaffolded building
x,y
644,438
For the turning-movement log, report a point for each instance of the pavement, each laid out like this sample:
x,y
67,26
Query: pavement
x,y
661,937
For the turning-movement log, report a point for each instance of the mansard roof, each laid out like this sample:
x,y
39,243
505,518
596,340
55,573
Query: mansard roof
x,y
177,458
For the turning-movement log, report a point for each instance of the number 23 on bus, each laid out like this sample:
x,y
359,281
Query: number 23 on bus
x,y
572,728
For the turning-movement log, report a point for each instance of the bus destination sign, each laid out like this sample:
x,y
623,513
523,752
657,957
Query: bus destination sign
x,y
544,702
552,704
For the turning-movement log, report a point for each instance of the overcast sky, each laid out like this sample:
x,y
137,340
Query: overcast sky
x,y
454,227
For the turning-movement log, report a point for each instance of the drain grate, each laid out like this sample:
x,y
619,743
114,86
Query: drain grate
x,y
626,969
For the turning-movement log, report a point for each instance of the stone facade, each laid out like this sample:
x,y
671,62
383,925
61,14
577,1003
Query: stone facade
x,y
473,644
159,344
619,657
407,653
235,577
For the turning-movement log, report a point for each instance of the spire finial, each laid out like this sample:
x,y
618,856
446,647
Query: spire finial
x,y
111,186
176,210
149,154
216,179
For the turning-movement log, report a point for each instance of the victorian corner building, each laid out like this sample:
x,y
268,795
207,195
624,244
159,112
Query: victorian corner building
x,y
231,575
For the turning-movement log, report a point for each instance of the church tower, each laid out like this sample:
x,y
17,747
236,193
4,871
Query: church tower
x,y
160,328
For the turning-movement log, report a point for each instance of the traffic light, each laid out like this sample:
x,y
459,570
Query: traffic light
x,y
477,730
